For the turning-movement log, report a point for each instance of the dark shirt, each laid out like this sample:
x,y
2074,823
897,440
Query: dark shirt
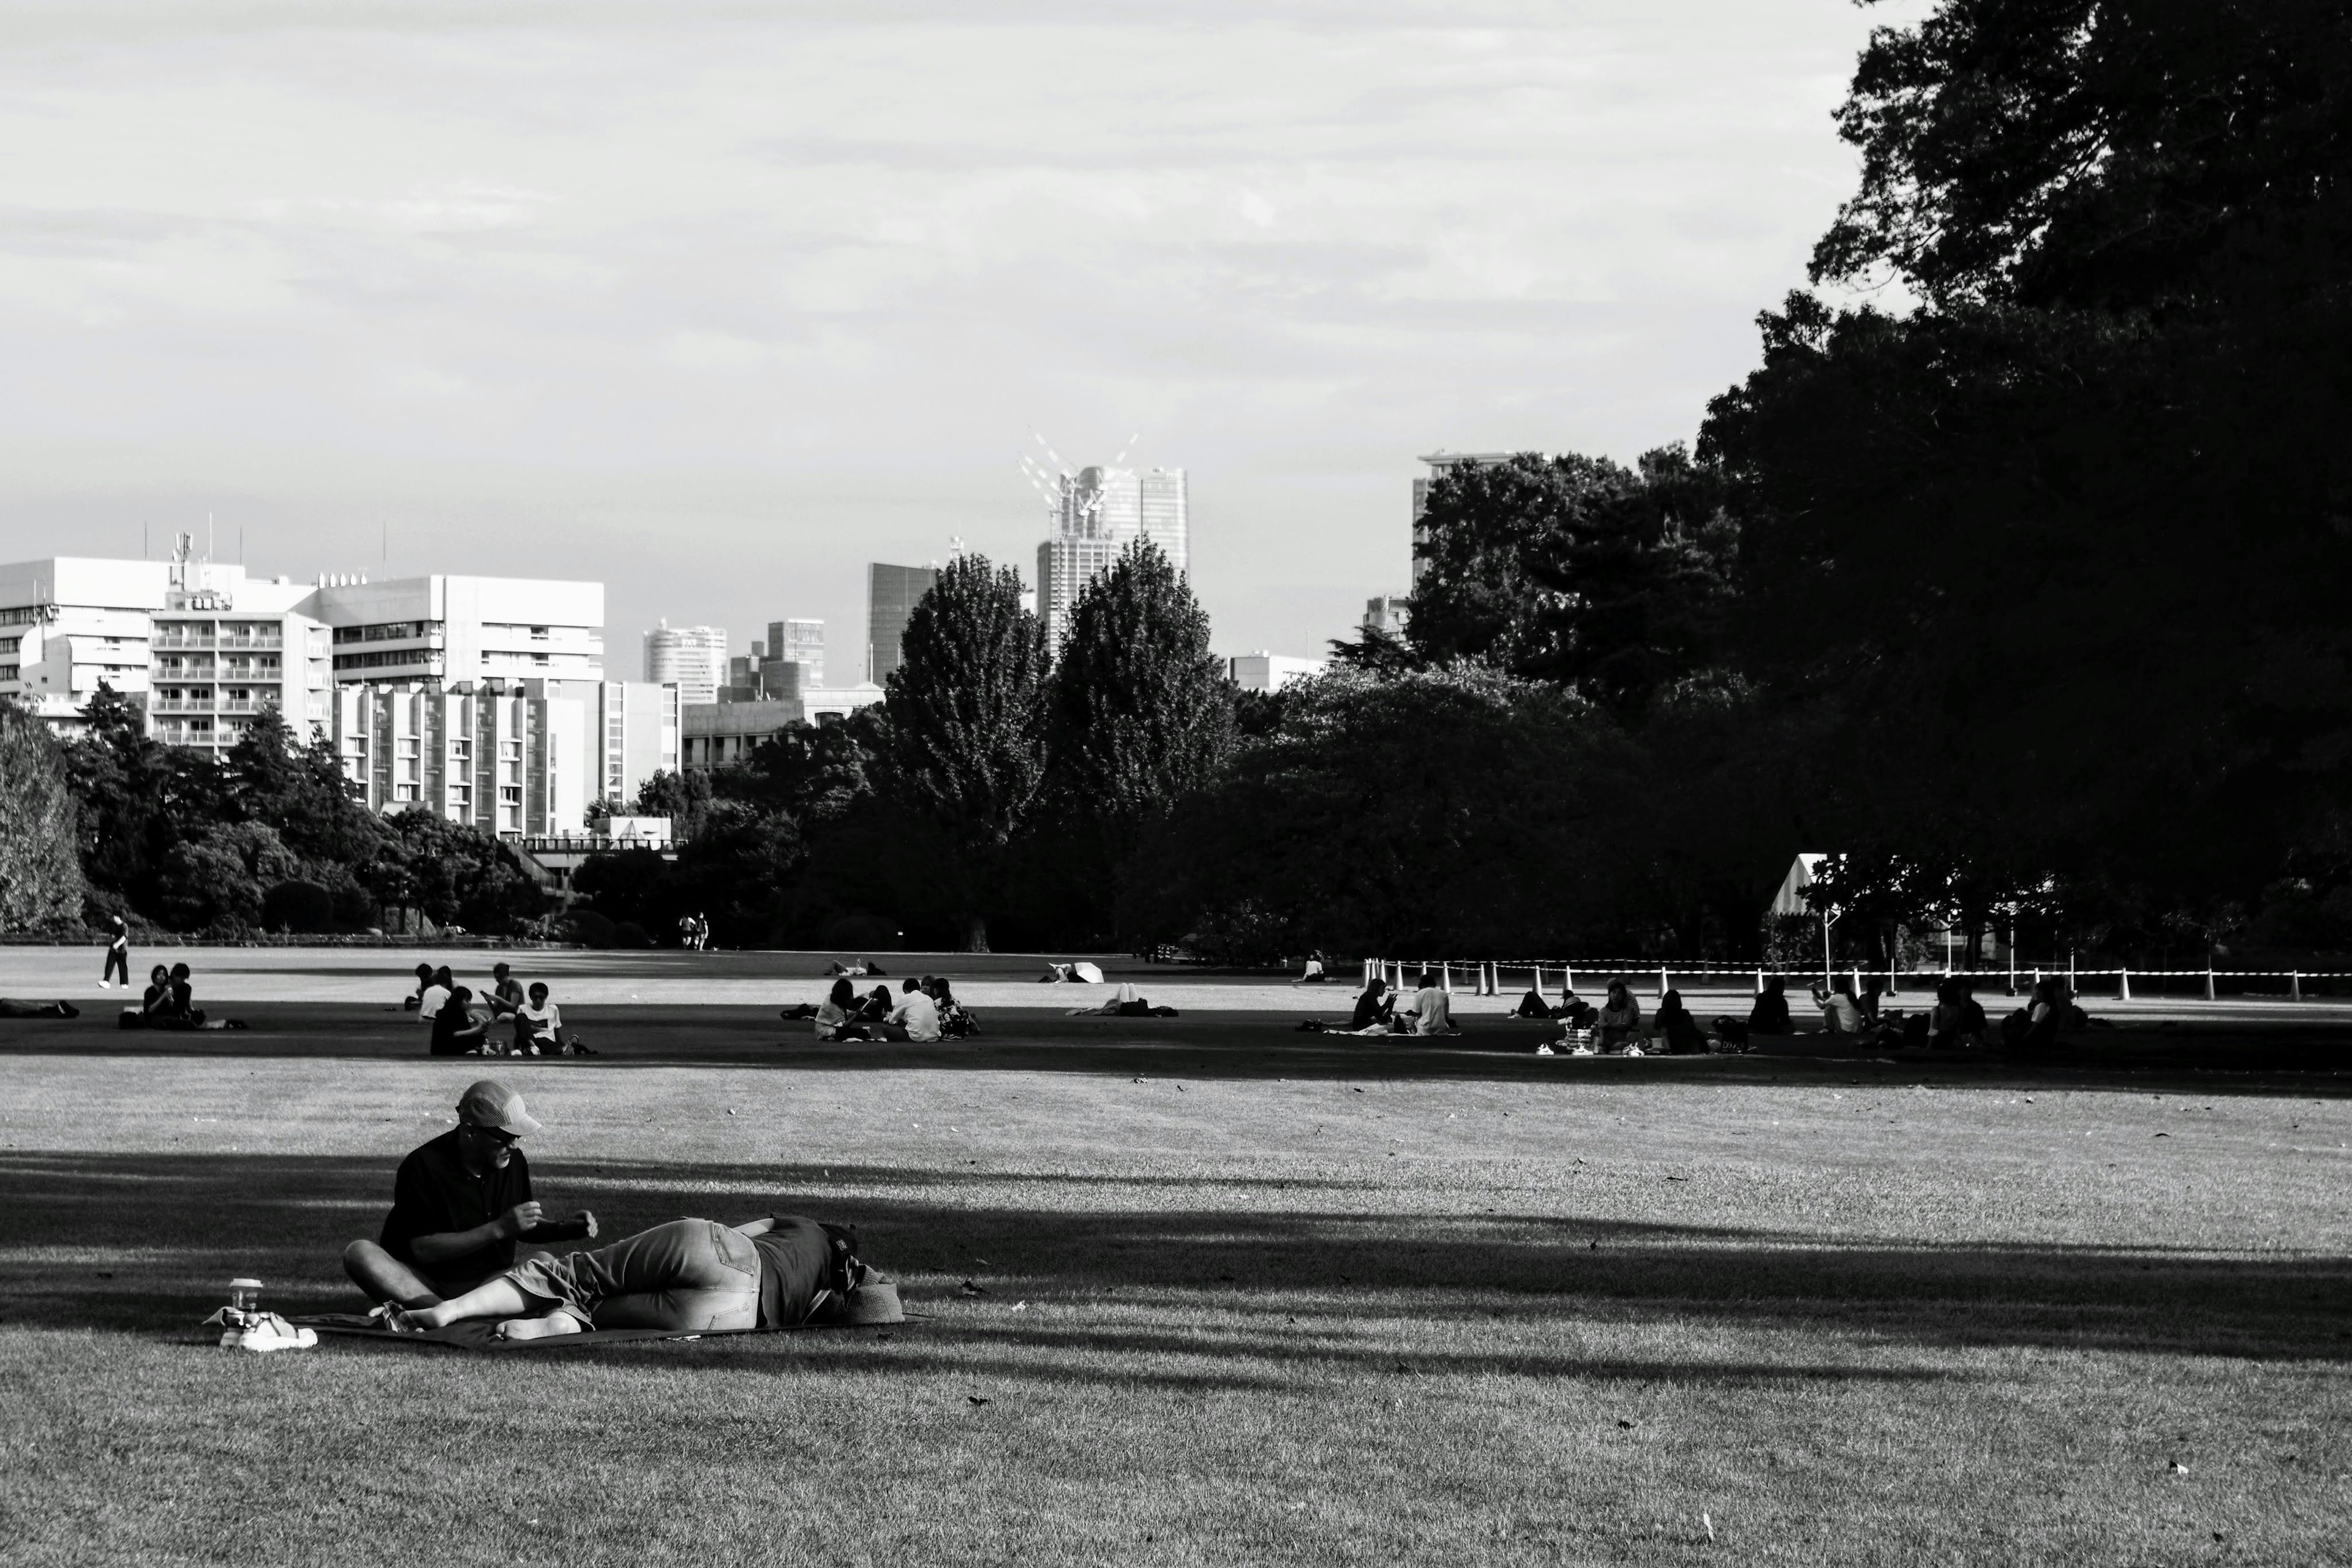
x,y
795,1263
507,998
435,1194
1371,1009
446,1022
1770,1014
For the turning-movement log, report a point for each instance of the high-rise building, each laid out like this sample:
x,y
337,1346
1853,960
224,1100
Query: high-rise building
x,y
1097,513
692,658
450,631
1442,463
800,643
1387,613
891,594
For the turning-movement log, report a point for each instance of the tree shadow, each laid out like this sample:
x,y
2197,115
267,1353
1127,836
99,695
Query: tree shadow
x,y
147,1243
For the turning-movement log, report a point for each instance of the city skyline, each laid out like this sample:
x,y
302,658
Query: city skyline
x,y
372,333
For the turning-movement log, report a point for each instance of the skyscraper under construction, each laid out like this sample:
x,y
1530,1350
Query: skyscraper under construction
x,y
1097,513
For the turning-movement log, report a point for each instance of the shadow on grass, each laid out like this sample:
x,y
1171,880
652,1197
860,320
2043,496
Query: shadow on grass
x,y
147,1242
2305,1059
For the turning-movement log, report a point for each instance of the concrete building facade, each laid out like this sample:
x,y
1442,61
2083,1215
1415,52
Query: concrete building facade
x,y
891,595
692,658
1097,512
453,630
1264,671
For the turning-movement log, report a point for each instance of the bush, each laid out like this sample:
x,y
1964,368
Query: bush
x,y
304,908
585,926
629,933
863,933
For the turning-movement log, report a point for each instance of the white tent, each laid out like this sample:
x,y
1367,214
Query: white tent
x,y
1791,898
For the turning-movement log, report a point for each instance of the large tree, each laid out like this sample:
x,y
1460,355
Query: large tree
x,y
40,866
1143,712
967,718
2065,541
1609,581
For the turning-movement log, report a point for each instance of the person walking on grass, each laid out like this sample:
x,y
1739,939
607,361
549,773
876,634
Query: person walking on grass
x,y
459,1204
118,955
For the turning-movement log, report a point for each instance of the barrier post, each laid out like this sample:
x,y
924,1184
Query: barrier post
x,y
1490,988
1567,978
2209,983
1759,980
2295,987
1445,977
2122,984
1661,982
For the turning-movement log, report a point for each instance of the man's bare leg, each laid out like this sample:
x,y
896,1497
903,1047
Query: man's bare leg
x,y
386,1278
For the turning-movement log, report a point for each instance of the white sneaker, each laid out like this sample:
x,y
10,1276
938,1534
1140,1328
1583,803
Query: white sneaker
x,y
106,985
1544,1050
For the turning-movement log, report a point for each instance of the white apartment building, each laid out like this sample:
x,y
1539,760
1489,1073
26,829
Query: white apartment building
x,y
1264,671
508,760
453,630
207,647
692,658
719,733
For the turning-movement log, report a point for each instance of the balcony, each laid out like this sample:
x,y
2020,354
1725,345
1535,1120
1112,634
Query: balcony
x,y
243,705
257,639
166,638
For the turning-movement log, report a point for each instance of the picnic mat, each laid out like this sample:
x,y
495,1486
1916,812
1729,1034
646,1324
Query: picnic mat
x,y
479,1333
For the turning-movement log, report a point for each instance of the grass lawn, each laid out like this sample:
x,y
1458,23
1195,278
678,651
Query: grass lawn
x,y
1250,1297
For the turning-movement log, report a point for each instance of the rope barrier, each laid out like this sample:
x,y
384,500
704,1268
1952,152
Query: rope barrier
x,y
1486,975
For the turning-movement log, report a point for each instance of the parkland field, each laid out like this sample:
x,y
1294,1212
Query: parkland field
x,y
1199,1290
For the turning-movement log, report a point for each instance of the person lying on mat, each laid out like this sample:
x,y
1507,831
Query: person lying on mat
x,y
691,1275
12,1007
459,1203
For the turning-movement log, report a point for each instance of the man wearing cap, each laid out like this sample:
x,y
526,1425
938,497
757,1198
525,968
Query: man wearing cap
x,y
459,1204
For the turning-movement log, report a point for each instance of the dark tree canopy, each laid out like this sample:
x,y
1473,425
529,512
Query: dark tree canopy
x,y
40,867
966,716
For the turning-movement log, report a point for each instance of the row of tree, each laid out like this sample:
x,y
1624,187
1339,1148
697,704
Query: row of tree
x,y
2028,597
270,837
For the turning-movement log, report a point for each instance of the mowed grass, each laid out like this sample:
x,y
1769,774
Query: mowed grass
x,y
1345,1306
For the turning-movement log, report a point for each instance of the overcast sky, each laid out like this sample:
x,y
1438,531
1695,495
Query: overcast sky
x,y
717,302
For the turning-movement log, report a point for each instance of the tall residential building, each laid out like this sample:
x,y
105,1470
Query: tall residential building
x,y
1389,613
891,594
692,658
1097,513
800,643
639,725
1442,463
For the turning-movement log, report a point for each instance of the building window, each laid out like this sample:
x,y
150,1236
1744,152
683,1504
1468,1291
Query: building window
x,y
510,794
509,751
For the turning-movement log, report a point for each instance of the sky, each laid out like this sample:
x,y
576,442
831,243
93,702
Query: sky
x,y
716,303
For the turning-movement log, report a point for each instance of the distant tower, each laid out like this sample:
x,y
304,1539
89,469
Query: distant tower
x,y
800,643
891,594
1093,515
692,658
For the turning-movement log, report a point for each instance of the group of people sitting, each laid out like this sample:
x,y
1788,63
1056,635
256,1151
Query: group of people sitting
x,y
1956,1022
465,1025
463,1202
923,1010
1429,1011
169,1002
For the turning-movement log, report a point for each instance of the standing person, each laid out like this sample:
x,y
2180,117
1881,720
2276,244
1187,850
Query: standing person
x,y
118,955
459,1203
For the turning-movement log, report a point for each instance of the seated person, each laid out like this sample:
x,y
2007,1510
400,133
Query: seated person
x,y
1578,1012
1873,990
1841,1013
435,996
690,1276
836,1018
170,1004
1619,1024
1433,1008
916,1017
1958,1019
1312,974
1769,1016
456,1031
1676,1027
505,995
416,998
956,1022
2036,1026
1375,1008
539,1027
155,1003
876,1006
10,1008
459,1204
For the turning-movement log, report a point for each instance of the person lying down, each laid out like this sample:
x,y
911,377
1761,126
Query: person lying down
x,y
690,1276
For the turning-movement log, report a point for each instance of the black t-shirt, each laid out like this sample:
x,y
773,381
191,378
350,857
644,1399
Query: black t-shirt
x,y
435,1193
795,1262
445,1025
1770,1014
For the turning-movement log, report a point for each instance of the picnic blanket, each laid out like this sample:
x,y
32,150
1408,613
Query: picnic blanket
x,y
480,1333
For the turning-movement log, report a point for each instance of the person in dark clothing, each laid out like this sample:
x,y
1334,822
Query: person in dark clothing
x,y
1769,1016
1375,1007
10,1008
2034,1028
423,983
118,954
459,1204
505,995
456,1031
877,1006
1958,1019
1676,1027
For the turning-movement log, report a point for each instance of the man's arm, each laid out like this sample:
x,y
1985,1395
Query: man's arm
x,y
444,1247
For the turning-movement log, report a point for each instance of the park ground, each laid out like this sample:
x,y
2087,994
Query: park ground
x,y
1200,1289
